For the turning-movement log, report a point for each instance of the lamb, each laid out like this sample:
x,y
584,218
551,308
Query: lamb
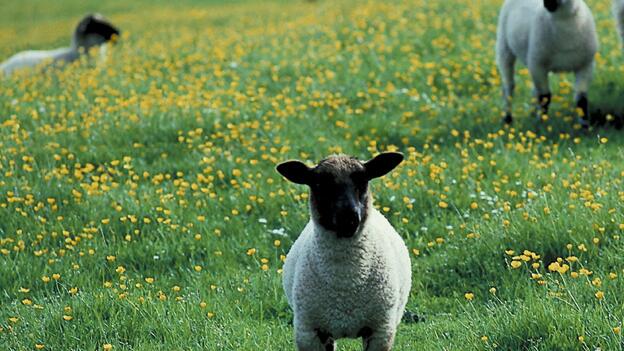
x,y
618,11
348,275
92,31
547,36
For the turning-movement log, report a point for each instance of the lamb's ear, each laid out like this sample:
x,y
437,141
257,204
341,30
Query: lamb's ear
x,y
383,163
84,23
295,171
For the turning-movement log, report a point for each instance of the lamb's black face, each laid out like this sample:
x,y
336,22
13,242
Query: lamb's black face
x,y
94,30
339,194
552,5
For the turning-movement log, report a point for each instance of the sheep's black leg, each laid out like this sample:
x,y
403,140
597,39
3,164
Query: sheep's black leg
x,y
327,340
508,119
377,341
582,103
506,61
583,78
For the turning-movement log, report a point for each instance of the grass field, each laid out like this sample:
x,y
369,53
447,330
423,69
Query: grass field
x,y
140,209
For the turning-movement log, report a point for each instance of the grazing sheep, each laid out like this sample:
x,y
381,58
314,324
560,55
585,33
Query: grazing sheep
x,y
618,10
93,30
348,274
547,36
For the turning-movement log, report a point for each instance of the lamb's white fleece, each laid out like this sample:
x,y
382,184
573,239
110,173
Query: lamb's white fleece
x,y
561,41
339,286
33,58
618,11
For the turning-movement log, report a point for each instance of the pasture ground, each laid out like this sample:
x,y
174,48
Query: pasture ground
x,y
140,209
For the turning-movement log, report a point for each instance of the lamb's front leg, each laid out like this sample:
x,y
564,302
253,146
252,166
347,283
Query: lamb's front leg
x,y
539,75
381,340
581,86
313,340
506,61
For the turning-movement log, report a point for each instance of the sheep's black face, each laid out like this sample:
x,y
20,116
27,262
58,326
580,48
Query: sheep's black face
x,y
339,196
94,30
551,5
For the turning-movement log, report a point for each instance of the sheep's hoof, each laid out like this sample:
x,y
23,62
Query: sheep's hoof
x,y
508,119
583,122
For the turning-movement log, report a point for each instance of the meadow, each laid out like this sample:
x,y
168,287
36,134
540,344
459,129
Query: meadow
x,y
140,209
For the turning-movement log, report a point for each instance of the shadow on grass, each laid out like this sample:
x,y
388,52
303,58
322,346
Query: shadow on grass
x,y
608,108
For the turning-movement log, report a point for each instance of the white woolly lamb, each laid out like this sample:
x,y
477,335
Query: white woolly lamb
x,y
618,11
348,275
93,30
547,36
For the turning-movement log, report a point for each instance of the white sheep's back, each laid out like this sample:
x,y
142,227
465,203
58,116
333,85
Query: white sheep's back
x,y
28,59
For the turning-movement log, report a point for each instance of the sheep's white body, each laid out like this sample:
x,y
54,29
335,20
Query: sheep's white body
x,y
618,11
564,41
34,58
342,285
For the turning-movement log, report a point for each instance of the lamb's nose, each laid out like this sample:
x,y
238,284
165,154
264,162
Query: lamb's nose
x,y
551,5
347,223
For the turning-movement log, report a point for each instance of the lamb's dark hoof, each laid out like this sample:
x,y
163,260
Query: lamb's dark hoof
x,y
508,119
583,122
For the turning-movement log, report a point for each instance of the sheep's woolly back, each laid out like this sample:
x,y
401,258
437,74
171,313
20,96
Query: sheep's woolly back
x,y
34,58
342,285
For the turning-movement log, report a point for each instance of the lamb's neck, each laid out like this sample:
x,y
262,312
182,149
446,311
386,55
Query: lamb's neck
x,y
331,249
568,12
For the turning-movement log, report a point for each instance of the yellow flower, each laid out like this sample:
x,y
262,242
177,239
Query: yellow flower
x,y
599,295
107,347
516,264
469,296
442,204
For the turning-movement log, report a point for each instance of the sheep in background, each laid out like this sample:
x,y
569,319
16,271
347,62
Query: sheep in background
x,y
348,274
618,11
92,31
547,36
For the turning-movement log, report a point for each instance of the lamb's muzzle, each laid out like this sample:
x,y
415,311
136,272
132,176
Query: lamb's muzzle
x,y
551,5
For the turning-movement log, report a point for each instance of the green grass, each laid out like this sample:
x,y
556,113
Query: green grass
x,y
126,178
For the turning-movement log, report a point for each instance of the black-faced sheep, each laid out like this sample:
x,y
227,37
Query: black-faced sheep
x,y
547,36
92,31
348,274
